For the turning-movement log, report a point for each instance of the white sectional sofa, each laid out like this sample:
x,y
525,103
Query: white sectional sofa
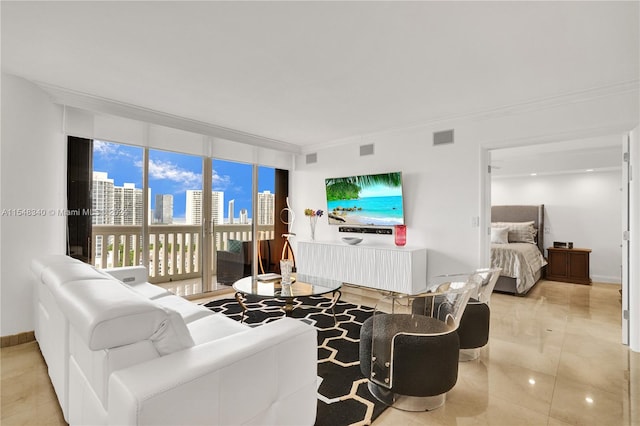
x,y
121,351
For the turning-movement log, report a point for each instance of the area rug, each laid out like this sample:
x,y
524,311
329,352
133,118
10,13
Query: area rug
x,y
343,397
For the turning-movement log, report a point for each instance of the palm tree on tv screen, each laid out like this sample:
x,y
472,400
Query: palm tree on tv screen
x,y
348,188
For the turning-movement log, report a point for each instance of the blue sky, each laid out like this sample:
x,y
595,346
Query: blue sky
x,y
172,173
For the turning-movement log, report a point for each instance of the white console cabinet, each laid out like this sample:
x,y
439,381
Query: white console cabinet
x,y
399,269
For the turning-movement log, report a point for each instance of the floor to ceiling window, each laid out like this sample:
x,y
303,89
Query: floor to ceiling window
x,y
266,213
148,207
175,183
232,221
117,202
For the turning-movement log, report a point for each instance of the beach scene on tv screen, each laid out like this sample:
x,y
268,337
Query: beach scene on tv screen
x,y
368,200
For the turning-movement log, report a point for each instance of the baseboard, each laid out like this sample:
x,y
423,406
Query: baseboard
x,y
17,339
605,279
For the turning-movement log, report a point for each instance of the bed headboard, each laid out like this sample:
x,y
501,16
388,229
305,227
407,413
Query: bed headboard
x,y
522,214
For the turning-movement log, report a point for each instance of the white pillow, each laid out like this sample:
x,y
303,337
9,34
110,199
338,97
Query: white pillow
x,y
499,235
519,232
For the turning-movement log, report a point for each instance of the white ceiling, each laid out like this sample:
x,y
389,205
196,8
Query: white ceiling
x,y
308,73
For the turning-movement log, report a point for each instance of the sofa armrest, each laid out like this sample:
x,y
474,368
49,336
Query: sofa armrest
x,y
265,375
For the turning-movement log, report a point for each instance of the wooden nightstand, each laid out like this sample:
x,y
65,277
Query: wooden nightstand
x,y
568,265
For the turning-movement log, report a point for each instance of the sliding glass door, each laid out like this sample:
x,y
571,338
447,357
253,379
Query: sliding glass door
x,y
266,218
150,207
231,222
176,212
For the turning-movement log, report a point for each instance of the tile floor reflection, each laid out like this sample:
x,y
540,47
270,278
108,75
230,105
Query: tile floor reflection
x,y
554,358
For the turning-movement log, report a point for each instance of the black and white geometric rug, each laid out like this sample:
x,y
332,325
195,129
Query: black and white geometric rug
x,y
343,397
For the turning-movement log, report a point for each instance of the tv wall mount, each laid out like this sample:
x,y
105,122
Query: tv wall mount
x,y
364,230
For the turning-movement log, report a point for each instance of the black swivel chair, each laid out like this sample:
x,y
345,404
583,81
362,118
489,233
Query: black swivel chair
x,y
409,348
474,324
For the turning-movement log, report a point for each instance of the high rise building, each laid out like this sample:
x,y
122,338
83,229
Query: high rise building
x,y
101,199
244,217
163,210
114,205
193,208
127,205
266,208
217,207
231,211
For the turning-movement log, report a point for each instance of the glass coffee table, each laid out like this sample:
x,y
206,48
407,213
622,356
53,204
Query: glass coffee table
x,y
302,285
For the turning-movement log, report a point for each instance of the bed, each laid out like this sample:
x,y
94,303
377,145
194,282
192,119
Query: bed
x,y
519,251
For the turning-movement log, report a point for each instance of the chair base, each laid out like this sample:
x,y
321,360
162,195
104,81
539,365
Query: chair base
x,y
468,354
405,402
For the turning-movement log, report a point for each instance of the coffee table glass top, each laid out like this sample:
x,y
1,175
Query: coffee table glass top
x,y
304,285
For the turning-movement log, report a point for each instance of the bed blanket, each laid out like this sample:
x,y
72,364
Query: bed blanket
x,y
518,260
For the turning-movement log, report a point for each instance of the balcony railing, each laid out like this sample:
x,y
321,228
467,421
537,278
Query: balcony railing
x,y
174,250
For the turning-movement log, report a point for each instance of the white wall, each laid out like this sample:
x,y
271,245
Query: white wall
x,y
443,185
32,176
437,219
584,208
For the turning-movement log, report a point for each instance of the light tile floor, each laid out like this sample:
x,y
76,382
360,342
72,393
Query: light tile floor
x,y
554,358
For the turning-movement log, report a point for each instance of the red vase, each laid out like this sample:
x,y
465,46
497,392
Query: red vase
x,y
401,235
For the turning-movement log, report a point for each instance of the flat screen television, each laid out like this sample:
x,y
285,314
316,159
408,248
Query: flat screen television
x,y
365,200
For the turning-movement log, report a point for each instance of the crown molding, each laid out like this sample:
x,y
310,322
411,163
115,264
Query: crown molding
x,y
97,104
540,104
101,105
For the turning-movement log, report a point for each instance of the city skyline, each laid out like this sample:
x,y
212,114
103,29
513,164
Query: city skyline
x,y
173,174
115,205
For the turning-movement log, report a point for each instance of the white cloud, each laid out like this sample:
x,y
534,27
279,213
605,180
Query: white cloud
x,y
106,149
169,171
220,182
109,151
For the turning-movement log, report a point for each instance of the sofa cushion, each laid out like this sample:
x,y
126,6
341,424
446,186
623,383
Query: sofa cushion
x,y
173,335
39,264
214,327
189,311
136,277
106,313
150,291
60,273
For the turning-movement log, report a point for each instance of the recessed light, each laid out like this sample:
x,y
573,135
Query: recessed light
x,y
534,174
589,400
589,170
532,381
